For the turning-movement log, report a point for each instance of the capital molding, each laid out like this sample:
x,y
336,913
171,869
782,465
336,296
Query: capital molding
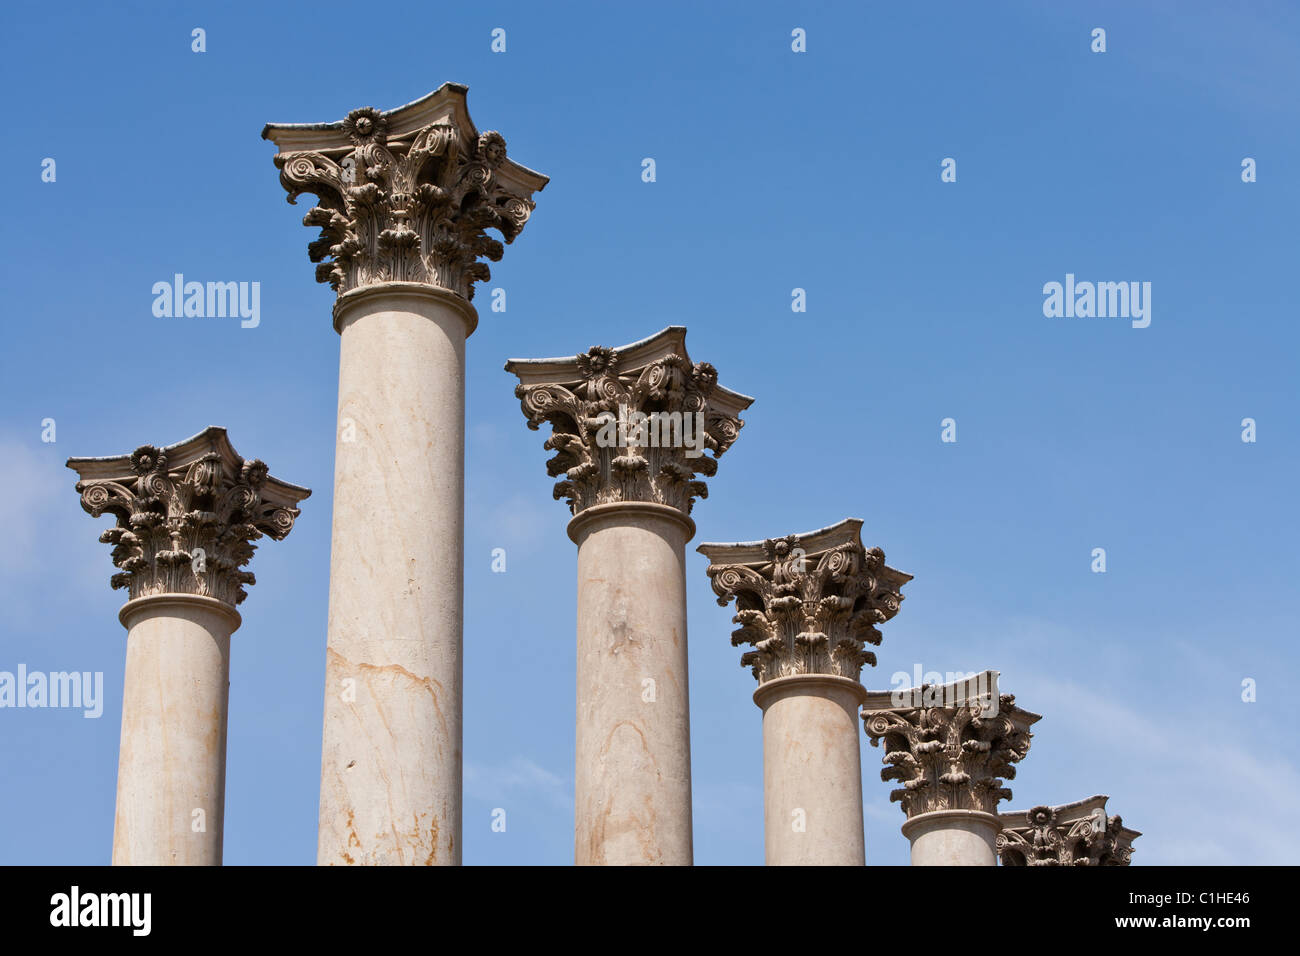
x,y
134,611
954,756
800,684
620,419
1071,834
806,603
366,300
405,195
620,511
187,515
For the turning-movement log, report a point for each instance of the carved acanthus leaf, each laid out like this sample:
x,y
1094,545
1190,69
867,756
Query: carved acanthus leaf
x,y
413,207
186,522
808,613
623,432
1078,834
951,758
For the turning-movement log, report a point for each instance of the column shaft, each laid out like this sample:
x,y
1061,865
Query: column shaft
x,y
812,771
171,778
391,752
633,760
953,838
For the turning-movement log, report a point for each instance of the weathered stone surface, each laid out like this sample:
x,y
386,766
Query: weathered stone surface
x,y
1072,834
406,195
632,767
171,776
391,756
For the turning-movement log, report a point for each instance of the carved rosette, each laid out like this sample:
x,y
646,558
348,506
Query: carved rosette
x,y
592,404
951,758
811,605
396,204
187,515
1079,834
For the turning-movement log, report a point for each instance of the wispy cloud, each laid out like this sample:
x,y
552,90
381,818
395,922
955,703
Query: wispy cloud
x,y
1198,784
515,778
30,485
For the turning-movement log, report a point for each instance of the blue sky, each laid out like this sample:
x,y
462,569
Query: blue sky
x,y
775,170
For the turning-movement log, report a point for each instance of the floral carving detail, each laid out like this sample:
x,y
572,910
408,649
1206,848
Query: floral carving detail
x,y
188,529
1054,836
809,614
147,459
408,209
951,758
366,125
594,470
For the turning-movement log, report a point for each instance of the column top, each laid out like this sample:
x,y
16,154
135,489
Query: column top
x,y
1070,834
808,603
631,423
977,689
952,748
405,195
187,514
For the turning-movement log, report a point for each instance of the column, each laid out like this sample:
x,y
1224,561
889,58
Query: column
x,y
187,515
404,202
1072,834
630,428
808,605
950,746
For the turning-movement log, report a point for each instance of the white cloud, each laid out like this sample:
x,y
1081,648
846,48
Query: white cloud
x,y
1196,784
518,776
30,485
47,534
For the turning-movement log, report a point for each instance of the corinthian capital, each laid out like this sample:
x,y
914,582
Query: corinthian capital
x,y
808,603
187,515
406,195
632,423
951,749
1073,834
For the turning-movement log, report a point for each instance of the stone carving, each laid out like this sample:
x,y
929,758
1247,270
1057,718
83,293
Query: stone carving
x,y
951,757
1073,834
630,423
407,195
186,515
807,603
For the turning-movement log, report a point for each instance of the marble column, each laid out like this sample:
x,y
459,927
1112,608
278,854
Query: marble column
x,y
1072,834
950,746
630,428
187,515
808,605
404,199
